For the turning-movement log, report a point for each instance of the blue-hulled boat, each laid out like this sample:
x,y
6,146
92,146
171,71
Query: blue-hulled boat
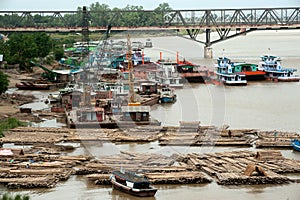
x,y
226,74
274,71
167,95
296,144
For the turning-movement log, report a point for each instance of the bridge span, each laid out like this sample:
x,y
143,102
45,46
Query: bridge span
x,y
194,22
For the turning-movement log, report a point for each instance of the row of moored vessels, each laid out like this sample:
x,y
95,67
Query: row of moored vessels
x,y
238,73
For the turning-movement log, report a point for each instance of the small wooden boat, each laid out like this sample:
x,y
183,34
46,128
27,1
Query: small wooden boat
x,y
296,144
27,85
132,183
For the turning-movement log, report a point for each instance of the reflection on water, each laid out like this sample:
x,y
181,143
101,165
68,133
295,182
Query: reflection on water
x,y
118,195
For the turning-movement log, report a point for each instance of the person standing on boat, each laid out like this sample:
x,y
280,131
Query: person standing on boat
x,y
275,135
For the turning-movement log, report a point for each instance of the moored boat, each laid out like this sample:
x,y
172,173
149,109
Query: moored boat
x,y
132,183
251,71
193,73
274,71
226,74
296,144
27,85
166,95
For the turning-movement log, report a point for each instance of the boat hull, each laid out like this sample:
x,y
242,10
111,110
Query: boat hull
x,y
255,76
167,99
136,192
32,86
288,79
296,145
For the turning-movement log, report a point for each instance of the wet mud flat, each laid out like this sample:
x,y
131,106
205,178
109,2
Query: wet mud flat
x,y
46,162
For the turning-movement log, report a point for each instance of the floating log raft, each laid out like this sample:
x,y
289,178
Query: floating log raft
x,y
157,168
275,139
34,182
177,178
205,136
240,179
31,169
244,167
29,135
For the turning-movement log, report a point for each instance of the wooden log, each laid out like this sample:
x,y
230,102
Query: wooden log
x,y
30,182
177,178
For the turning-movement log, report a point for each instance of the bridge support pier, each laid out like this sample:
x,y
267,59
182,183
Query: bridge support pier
x,y
208,52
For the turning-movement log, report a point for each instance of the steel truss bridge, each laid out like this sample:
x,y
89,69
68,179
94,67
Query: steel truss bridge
x,y
222,21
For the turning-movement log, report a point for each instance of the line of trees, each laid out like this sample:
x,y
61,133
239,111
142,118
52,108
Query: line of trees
x,y
99,15
20,48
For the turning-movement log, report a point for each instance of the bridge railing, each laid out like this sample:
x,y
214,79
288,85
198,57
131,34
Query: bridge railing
x,y
219,18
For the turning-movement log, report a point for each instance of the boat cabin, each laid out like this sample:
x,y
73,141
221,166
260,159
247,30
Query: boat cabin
x,y
148,88
135,113
95,114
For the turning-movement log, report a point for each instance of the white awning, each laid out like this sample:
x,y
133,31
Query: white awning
x,y
135,108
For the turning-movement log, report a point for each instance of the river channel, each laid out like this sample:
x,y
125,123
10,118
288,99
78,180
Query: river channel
x,y
259,105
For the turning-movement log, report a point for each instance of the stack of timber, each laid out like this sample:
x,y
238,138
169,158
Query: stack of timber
x,y
280,139
158,168
206,136
234,168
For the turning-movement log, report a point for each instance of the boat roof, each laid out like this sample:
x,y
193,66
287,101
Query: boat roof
x,y
135,108
273,58
67,71
130,176
223,58
244,64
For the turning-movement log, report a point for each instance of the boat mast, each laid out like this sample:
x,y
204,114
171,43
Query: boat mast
x,y
130,69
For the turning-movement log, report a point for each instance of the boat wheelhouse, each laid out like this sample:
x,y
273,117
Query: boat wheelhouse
x,y
226,74
274,71
132,183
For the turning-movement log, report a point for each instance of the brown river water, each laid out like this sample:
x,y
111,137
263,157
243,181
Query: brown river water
x,y
259,105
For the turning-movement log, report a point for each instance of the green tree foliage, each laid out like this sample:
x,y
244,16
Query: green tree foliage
x,y
9,196
98,16
4,49
10,123
58,53
22,47
3,82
